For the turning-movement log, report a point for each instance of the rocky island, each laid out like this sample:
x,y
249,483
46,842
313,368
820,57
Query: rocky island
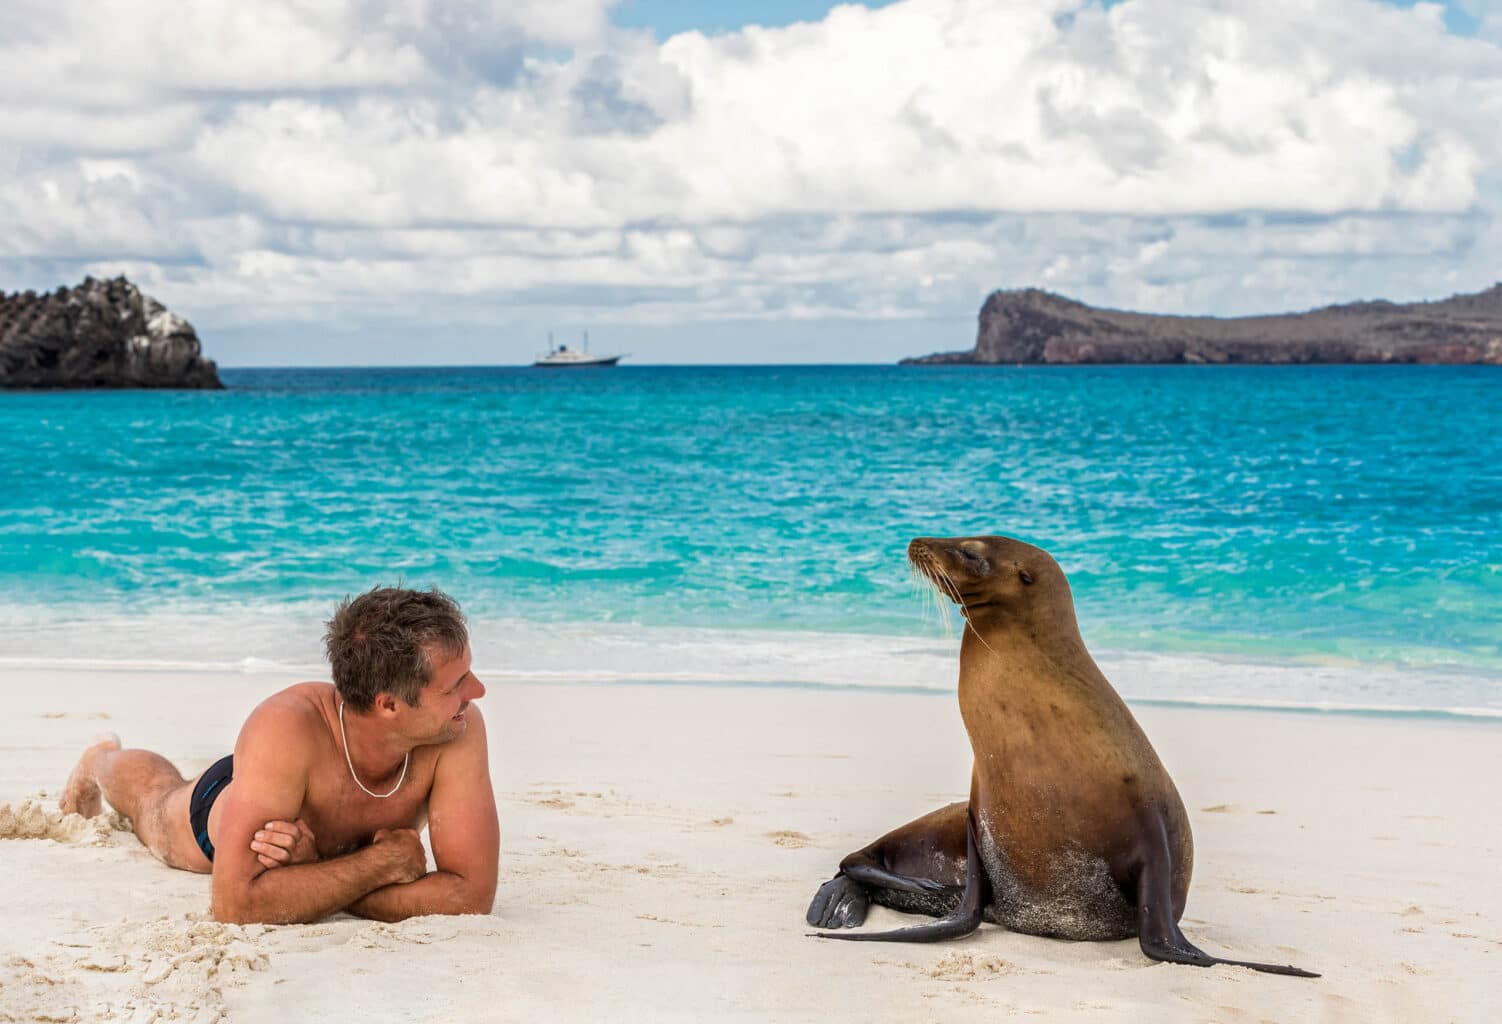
x,y
1033,326
100,334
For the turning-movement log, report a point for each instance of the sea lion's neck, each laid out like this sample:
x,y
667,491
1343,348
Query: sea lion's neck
x,y
1035,625
996,646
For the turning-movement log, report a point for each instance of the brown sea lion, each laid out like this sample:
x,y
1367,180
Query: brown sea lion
x,y
1073,828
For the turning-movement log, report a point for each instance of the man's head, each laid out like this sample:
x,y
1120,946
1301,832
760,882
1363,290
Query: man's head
x,y
388,640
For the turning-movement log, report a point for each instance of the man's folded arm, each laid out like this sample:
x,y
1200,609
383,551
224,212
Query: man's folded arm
x,y
271,773
464,833
438,892
303,893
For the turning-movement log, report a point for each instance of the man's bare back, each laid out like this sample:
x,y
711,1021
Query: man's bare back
x,y
325,801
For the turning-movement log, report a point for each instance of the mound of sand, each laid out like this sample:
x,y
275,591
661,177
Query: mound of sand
x,y
965,967
31,820
168,970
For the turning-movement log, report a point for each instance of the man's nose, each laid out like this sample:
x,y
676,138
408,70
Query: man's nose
x,y
477,688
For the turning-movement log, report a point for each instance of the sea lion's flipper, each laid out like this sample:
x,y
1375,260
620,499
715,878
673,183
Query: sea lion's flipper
x,y
862,868
1157,930
842,901
839,903
917,868
964,920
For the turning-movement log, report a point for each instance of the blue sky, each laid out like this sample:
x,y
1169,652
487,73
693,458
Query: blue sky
x,y
669,17
375,181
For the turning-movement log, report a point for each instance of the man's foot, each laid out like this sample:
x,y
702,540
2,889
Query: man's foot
x,y
81,793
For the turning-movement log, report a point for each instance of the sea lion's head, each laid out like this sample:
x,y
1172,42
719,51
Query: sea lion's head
x,y
992,576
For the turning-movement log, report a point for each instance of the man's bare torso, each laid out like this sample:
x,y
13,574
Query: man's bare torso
x,y
342,817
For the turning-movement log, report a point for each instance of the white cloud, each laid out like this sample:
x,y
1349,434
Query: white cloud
x,y
112,52
330,159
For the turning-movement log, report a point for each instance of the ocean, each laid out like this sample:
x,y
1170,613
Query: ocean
x,y
1323,538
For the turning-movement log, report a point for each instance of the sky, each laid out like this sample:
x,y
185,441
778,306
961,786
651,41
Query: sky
x,y
344,182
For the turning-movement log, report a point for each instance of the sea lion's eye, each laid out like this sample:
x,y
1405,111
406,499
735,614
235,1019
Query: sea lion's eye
x,y
973,562
1024,576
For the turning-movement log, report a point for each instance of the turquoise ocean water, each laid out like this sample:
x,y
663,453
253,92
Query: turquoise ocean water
x,y
1323,536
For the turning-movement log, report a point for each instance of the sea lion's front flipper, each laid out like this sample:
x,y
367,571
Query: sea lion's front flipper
x,y
1157,930
861,868
839,903
842,901
965,919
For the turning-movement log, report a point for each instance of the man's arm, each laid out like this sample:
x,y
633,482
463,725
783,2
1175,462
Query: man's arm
x,y
271,775
464,833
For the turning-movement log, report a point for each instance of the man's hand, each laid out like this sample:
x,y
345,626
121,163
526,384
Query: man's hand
x,y
409,861
284,842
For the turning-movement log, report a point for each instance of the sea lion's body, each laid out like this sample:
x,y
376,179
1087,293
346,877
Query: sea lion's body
x,y
1077,829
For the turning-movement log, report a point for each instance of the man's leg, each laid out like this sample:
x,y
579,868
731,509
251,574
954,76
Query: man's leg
x,y
144,787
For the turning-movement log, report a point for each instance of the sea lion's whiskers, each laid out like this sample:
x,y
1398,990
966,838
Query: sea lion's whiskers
x,y
926,569
950,586
954,589
941,580
926,584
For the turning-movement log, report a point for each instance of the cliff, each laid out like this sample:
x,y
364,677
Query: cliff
x,y
100,334
1032,326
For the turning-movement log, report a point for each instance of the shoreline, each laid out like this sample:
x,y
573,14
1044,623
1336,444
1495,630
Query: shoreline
x,y
656,865
1112,664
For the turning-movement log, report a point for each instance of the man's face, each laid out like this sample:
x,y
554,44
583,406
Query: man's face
x,y
445,700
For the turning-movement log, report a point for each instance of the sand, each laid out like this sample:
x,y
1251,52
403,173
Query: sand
x,y
660,845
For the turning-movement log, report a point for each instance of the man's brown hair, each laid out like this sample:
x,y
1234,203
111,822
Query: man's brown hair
x,y
383,642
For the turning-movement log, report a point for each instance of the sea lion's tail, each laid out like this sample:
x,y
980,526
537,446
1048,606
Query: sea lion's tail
x,y
962,921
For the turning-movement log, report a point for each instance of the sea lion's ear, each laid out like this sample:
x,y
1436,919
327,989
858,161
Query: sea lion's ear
x,y
1024,575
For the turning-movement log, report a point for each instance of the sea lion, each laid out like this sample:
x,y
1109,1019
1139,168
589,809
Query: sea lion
x,y
1073,828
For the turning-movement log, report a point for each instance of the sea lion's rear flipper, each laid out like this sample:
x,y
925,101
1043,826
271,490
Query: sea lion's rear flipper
x,y
964,920
1157,930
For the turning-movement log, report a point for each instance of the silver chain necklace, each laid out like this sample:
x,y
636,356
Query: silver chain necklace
x,y
345,740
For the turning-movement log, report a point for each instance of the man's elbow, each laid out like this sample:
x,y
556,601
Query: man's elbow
x,y
230,912
236,911
471,905
471,899
240,908
479,907
482,905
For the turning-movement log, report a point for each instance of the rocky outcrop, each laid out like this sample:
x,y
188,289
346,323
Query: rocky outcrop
x,y
1032,326
101,334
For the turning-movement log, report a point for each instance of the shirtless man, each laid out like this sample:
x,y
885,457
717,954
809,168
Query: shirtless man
x,y
319,808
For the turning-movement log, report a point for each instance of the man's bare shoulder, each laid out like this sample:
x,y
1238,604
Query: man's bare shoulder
x,y
292,719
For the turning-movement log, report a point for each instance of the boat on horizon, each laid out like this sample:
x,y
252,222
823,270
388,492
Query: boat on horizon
x,y
560,356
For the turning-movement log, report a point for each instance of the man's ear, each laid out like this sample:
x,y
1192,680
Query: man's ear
x,y
386,703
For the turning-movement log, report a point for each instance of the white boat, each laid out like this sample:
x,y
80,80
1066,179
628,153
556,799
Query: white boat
x,y
562,356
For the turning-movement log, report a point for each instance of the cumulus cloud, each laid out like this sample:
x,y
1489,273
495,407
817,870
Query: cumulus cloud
x,y
291,159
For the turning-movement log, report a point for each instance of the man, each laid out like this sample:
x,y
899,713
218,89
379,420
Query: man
x,y
318,809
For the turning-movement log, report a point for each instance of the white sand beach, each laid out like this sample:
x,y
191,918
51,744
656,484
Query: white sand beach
x,y
660,845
